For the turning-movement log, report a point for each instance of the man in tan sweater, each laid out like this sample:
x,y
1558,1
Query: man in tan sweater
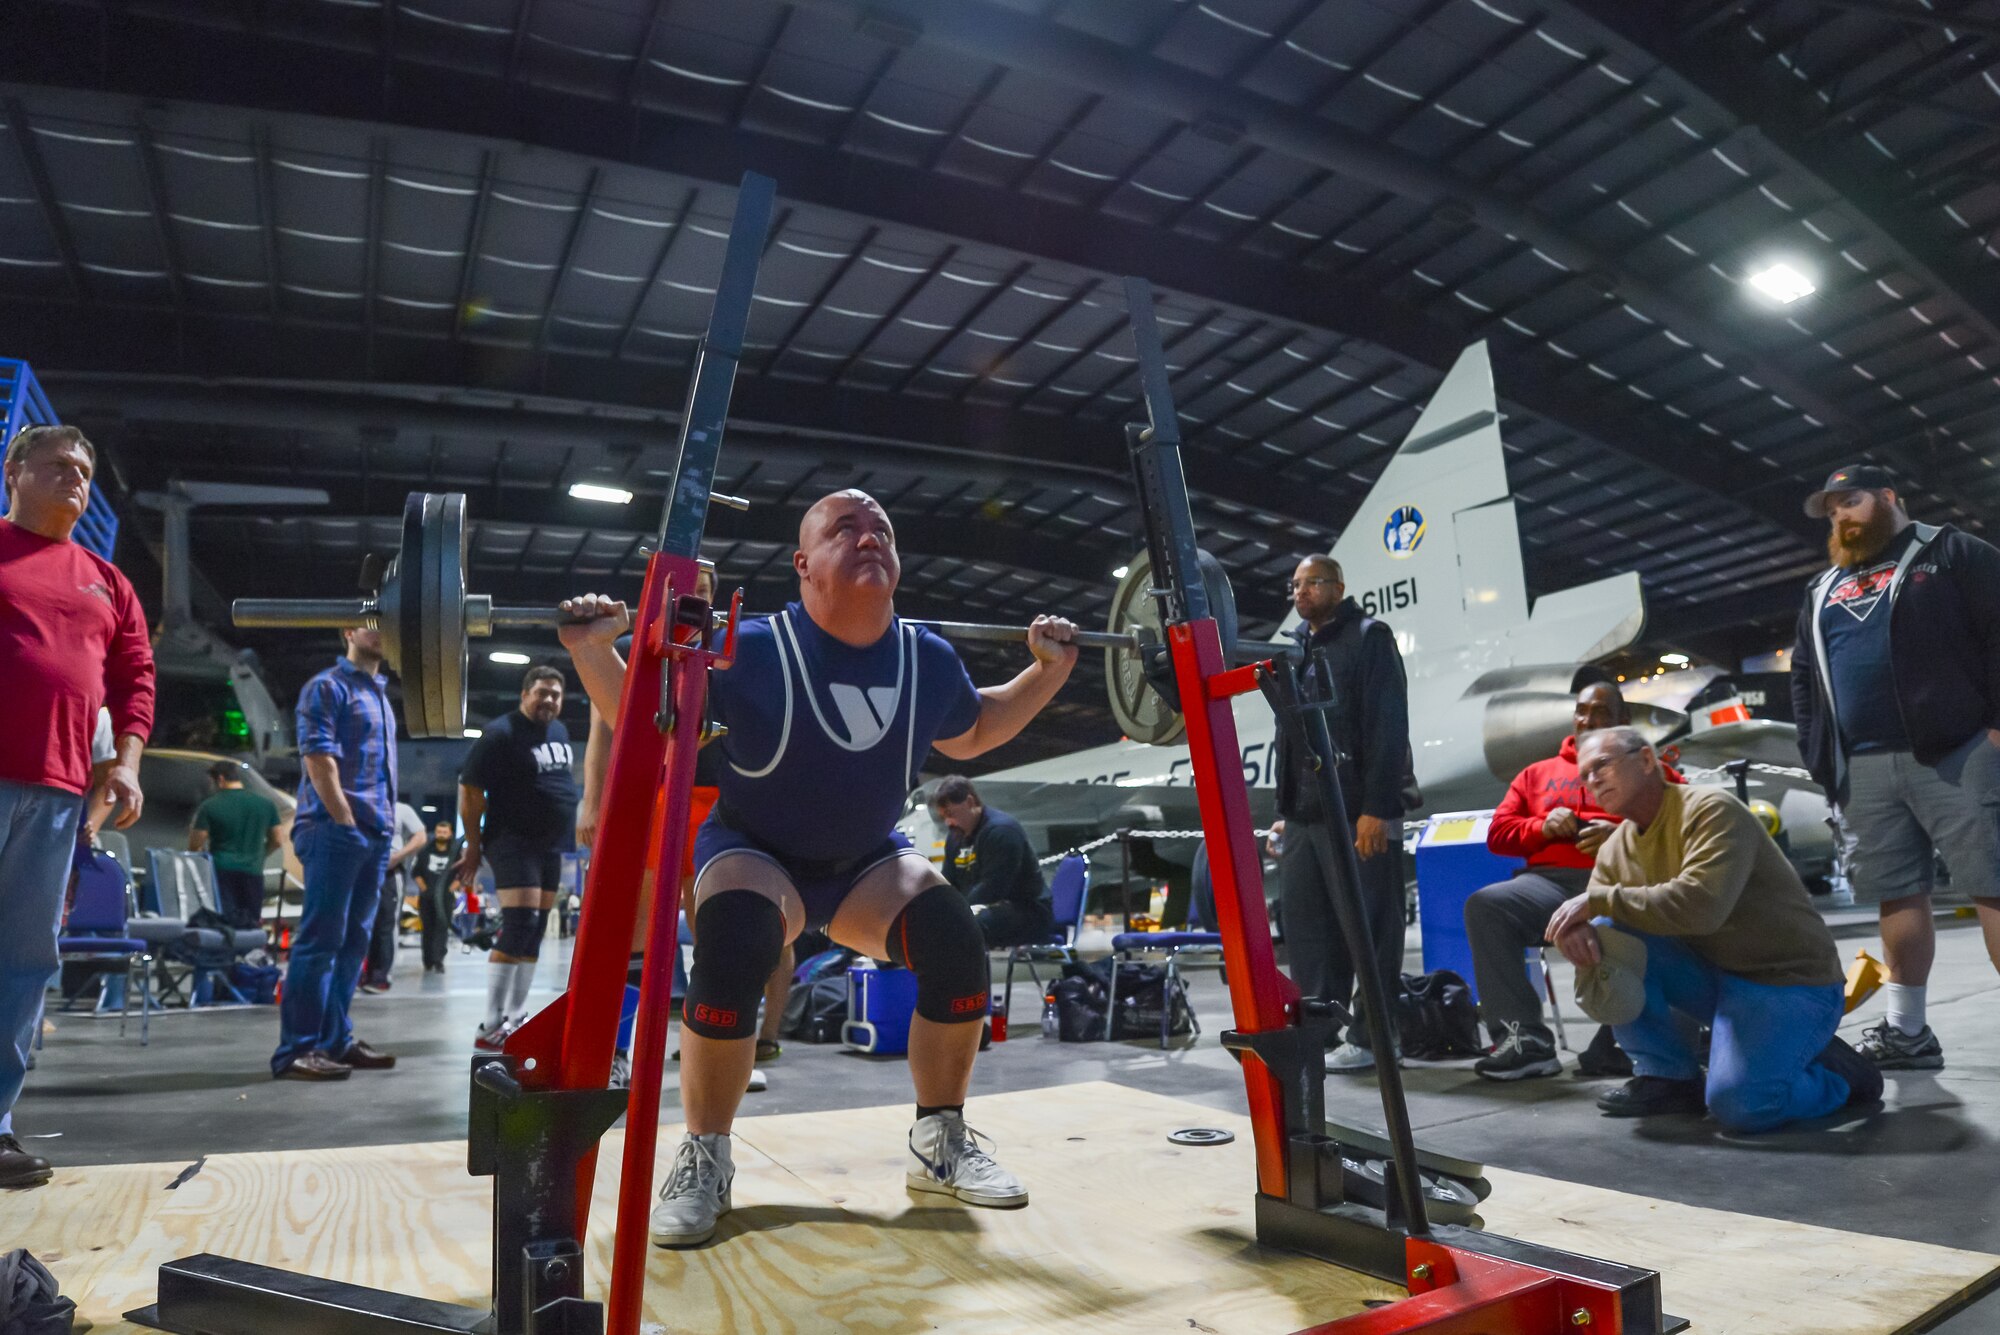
x,y
1731,938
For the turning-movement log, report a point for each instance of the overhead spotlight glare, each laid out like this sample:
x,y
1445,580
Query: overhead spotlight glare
x,y
1782,283
591,491
508,656
1121,572
475,732
1674,660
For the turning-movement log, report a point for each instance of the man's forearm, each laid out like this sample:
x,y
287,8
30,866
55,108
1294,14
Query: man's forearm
x,y
323,772
603,675
471,811
1007,709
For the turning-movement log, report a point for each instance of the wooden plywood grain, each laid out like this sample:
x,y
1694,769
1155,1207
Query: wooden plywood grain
x,y
1126,1232
82,1219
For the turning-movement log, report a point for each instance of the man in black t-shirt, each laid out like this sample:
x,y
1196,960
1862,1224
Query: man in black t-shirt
x,y
432,871
988,858
517,801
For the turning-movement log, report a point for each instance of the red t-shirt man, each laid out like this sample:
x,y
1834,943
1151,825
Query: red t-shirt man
x,y
72,640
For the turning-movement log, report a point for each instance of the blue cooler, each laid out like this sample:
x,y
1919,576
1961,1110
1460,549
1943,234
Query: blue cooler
x,y
1452,862
880,1003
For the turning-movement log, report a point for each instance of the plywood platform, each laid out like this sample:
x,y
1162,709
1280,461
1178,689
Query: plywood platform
x,y
1125,1233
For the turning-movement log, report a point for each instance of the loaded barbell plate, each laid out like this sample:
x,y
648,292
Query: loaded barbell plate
x,y
450,653
1201,1135
1143,713
413,643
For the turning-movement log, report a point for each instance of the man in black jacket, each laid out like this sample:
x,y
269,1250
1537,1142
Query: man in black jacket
x,y
1353,657
988,858
1896,689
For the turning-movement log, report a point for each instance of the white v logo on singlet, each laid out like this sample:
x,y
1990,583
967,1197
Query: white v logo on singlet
x,y
868,713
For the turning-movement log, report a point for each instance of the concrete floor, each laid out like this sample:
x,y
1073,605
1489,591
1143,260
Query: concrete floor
x,y
202,1087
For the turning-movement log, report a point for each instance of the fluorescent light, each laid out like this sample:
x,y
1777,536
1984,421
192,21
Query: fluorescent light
x,y
591,491
1121,572
1675,660
1782,283
508,656
475,732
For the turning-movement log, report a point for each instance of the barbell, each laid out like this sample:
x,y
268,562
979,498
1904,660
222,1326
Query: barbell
x,y
426,616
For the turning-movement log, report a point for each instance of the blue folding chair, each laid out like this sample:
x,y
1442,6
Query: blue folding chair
x,y
1069,889
1176,947
94,931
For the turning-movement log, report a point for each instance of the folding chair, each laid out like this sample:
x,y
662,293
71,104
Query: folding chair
x,y
1174,946
94,932
1540,955
183,884
1069,888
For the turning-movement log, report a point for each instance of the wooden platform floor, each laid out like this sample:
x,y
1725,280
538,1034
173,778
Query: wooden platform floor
x,y
1126,1233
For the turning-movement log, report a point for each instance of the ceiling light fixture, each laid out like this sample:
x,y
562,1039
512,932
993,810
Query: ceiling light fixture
x,y
475,732
591,491
1674,660
508,656
1782,283
1121,572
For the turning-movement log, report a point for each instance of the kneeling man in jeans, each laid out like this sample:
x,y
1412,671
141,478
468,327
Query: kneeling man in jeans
x,y
1721,929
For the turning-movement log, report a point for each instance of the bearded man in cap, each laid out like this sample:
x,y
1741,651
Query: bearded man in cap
x,y
1896,689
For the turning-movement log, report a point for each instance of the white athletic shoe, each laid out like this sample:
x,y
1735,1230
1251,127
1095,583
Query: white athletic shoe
x,y
951,1163
1353,1059
758,1080
696,1194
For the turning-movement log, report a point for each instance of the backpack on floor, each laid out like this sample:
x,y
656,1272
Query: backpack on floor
x,y
816,1010
30,1303
1142,997
1435,1017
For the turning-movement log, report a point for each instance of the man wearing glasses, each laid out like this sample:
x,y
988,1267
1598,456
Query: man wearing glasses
x,y
1352,658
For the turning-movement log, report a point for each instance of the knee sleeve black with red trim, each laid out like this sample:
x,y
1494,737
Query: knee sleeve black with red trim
x,y
520,933
937,938
738,937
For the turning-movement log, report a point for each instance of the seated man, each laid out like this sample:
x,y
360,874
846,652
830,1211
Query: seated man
x,y
987,857
831,706
1548,819
1730,939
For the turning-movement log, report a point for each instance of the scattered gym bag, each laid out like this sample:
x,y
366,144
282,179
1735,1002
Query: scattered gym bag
x,y
30,1303
1436,1019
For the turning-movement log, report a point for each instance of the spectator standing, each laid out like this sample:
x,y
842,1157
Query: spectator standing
x,y
1351,658
72,640
345,820
238,829
517,800
1896,689
409,839
431,870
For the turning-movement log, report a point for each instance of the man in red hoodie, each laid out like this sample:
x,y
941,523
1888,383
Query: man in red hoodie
x,y
1548,818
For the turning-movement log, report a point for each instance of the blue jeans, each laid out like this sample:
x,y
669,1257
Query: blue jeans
x,y
37,842
1764,1039
344,868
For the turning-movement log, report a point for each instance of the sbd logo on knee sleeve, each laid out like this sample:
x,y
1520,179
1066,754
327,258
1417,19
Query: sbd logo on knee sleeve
x,y
710,1015
972,1005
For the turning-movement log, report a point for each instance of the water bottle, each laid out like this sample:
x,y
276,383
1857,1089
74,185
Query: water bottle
x,y
1050,1025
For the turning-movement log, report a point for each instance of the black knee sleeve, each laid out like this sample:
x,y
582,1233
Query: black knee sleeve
x,y
738,937
937,938
520,933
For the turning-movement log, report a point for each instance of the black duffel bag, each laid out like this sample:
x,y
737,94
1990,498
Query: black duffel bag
x,y
1143,996
1436,1019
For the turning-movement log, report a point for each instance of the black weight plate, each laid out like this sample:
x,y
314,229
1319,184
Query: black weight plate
x,y
413,644
1201,1135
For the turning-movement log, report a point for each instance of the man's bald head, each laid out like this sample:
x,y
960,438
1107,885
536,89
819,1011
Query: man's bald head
x,y
847,549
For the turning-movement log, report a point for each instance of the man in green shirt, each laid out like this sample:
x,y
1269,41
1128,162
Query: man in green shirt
x,y
238,828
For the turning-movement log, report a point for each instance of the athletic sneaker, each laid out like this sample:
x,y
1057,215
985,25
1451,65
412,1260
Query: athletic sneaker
x,y
696,1193
1353,1059
758,1080
621,1070
494,1039
1519,1056
1651,1096
951,1163
1893,1050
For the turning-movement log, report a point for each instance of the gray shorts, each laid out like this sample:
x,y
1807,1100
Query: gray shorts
x,y
1899,814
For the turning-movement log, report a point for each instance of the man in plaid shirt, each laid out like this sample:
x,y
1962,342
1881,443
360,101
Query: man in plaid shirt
x,y
346,818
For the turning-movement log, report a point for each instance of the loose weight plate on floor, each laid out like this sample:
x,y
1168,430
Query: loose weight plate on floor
x,y
1201,1135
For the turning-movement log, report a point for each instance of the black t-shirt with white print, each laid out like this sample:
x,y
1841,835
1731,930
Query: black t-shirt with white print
x,y
1855,623
524,768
